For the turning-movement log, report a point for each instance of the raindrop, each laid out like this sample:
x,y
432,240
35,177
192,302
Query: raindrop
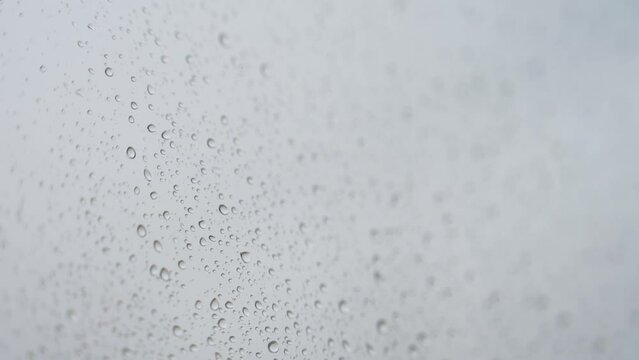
x,y
245,256
177,331
147,174
150,89
130,152
157,245
343,308
210,143
222,323
273,347
108,72
215,304
382,326
141,231
224,40
223,209
164,274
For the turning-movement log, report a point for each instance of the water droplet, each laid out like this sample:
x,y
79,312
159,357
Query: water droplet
x,y
210,143
130,152
134,105
147,174
177,331
273,347
222,323
43,68
223,209
224,40
164,274
150,89
108,72
157,245
151,128
215,304
246,256
382,326
141,231
343,308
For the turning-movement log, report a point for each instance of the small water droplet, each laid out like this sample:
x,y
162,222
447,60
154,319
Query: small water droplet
x,y
157,245
210,143
273,347
382,326
223,209
43,68
215,304
130,152
108,72
343,308
245,256
147,174
164,274
222,323
224,40
150,89
177,331
141,230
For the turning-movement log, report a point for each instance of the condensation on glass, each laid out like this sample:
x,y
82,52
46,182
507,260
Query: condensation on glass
x,y
392,179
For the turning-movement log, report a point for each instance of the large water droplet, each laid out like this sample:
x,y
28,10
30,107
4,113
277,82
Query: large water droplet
x,y
223,209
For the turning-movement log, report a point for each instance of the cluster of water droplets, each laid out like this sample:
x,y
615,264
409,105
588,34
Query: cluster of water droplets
x,y
214,184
